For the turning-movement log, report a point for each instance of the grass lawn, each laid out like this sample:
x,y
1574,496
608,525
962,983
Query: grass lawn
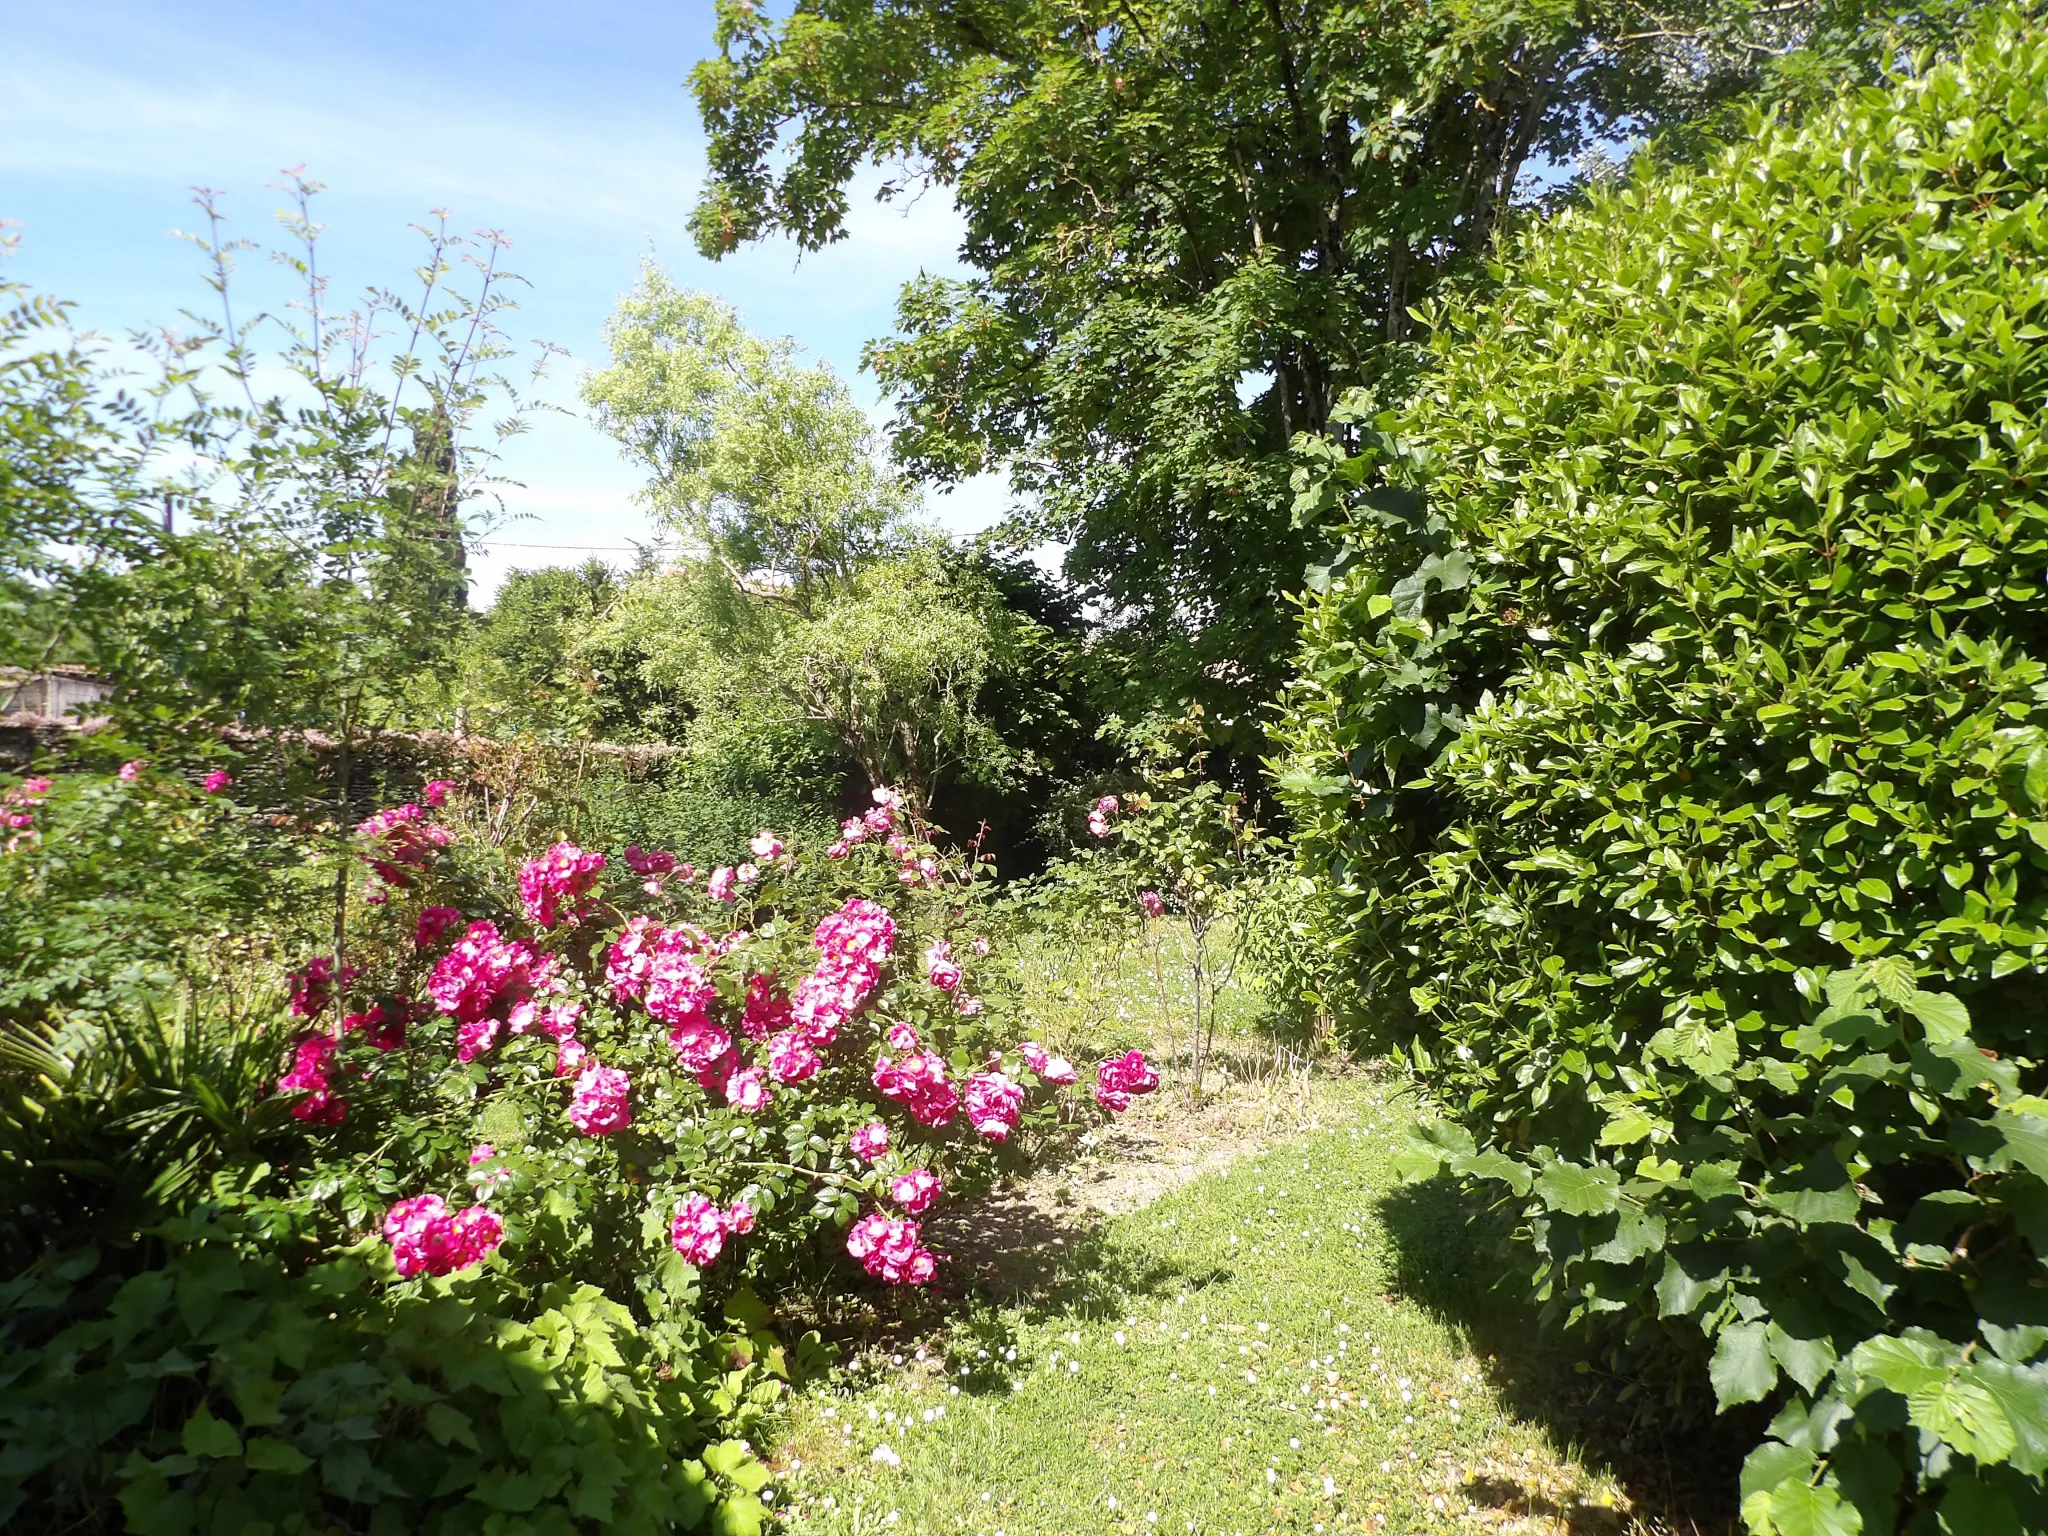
x,y
1233,1358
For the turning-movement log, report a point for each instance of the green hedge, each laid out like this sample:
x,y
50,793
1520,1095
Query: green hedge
x,y
1670,730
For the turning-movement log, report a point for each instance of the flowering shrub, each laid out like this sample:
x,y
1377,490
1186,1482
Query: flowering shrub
x,y
787,1063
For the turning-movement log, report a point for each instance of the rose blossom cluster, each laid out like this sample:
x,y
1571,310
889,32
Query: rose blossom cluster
x,y
915,1190
437,791
433,922
852,944
994,1104
312,1059
652,867
216,781
1098,818
600,1104
1122,1078
313,984
426,1239
870,1143
700,1228
557,1022
889,1250
554,887
919,1083
401,839
878,821
1056,1070
940,969
768,1007
482,979
18,807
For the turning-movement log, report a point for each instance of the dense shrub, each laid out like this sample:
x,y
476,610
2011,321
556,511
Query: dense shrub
x,y
226,1390
1671,729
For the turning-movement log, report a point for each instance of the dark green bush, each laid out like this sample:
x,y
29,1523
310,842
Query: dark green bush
x,y
221,1392
1671,732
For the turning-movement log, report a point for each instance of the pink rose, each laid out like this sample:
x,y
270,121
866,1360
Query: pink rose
x,y
1121,1078
600,1105
870,1143
216,781
748,1091
939,968
698,1044
698,1231
994,1104
425,1239
767,1009
1050,1068
554,887
437,791
766,847
434,921
901,1037
792,1057
915,1190
131,771
1151,903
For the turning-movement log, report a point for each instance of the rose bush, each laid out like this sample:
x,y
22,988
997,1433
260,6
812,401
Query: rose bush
x,y
801,1041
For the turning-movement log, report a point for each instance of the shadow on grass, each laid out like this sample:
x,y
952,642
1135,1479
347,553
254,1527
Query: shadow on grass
x,y
1449,1255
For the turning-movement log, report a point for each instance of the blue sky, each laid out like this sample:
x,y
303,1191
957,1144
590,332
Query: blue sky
x,y
568,127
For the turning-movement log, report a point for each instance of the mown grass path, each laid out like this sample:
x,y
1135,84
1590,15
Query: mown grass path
x,y
1232,1358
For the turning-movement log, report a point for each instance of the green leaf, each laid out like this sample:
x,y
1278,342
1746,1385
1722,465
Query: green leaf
x,y
1806,1360
1773,1463
1579,1191
1942,1016
448,1425
2026,1136
1799,1508
1892,975
1969,1508
1494,1165
1626,1128
1708,1052
1963,1414
1679,1292
207,1436
2022,1395
1814,1207
1742,1370
725,1457
739,1515
266,1453
1905,1365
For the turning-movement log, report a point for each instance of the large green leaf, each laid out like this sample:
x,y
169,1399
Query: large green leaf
x,y
1579,1191
2021,1392
1742,1369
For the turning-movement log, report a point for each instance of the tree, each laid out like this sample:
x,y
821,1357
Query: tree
x,y
1193,224
536,662
765,465
889,663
